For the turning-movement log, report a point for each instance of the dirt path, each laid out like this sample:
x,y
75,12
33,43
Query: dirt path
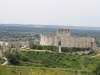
x,y
18,71
82,62
78,72
95,56
6,60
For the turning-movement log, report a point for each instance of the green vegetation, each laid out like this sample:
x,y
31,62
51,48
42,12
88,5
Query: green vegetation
x,y
85,73
1,61
90,63
96,71
15,58
44,59
39,47
15,70
52,60
55,49
47,63
53,71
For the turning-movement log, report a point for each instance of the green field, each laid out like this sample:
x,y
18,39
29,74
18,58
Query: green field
x,y
16,70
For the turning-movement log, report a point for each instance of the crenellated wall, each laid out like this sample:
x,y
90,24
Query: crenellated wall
x,y
63,32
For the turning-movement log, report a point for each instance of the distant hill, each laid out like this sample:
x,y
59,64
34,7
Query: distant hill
x,y
52,26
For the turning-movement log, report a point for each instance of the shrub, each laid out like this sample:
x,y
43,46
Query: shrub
x,y
13,57
24,58
96,71
39,47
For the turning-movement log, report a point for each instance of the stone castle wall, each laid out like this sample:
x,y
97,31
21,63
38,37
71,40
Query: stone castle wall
x,y
96,48
18,43
1,51
24,42
64,36
46,40
79,42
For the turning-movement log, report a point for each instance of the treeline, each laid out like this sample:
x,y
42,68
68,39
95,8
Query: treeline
x,y
55,49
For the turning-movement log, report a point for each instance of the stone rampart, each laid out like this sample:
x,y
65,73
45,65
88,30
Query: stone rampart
x,y
64,36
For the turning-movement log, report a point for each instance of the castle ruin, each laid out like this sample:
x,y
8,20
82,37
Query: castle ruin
x,y
1,51
64,37
16,44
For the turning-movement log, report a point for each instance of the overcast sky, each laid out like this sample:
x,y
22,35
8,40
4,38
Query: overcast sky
x,y
51,12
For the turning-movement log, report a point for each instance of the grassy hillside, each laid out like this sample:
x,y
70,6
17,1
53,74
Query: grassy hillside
x,y
50,63
15,70
45,59
90,63
53,60
50,59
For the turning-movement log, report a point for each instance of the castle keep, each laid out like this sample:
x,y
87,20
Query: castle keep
x,y
64,36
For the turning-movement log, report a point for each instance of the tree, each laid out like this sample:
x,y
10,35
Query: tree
x,y
13,57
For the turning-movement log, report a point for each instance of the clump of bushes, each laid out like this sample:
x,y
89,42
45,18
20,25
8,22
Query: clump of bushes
x,y
39,47
96,71
51,59
74,49
54,48
15,58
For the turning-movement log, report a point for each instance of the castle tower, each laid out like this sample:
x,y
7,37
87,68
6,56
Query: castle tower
x,y
63,32
61,35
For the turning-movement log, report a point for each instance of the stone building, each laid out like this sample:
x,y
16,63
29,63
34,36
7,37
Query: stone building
x,y
1,51
64,36
16,44
4,45
24,43
37,41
